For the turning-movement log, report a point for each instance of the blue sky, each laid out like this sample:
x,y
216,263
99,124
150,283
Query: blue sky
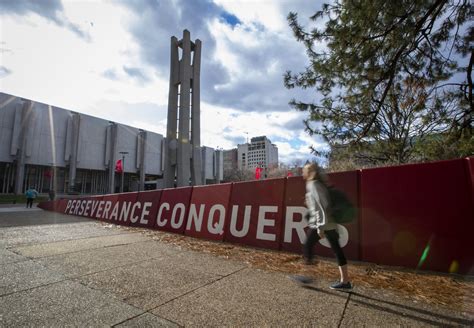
x,y
111,59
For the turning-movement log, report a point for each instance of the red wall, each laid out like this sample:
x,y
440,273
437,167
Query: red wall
x,y
406,208
203,200
470,173
293,221
174,207
262,198
145,198
105,206
402,211
46,205
348,182
95,203
60,205
127,200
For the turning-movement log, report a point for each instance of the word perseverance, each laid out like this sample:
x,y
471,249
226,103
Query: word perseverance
x,y
174,217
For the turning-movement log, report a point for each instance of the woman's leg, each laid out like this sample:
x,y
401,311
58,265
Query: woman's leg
x,y
344,274
312,238
333,238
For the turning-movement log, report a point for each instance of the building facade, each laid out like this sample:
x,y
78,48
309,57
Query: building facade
x,y
230,160
212,165
51,148
259,152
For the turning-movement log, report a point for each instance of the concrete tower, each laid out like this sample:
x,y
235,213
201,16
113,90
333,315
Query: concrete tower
x,y
183,141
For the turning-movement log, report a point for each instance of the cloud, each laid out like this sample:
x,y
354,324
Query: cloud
x,y
288,155
143,115
49,9
110,74
154,23
271,15
136,74
46,8
257,59
295,124
230,19
4,72
3,49
242,64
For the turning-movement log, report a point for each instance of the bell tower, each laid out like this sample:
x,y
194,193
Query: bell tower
x,y
183,131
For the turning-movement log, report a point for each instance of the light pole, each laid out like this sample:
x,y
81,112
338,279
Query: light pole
x,y
51,170
123,169
52,182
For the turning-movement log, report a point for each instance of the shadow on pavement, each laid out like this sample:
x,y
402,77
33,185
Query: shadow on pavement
x,y
455,322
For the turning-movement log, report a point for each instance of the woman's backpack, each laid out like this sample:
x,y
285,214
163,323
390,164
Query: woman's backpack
x,y
341,208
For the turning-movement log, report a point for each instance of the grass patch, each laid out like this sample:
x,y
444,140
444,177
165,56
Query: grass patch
x,y
19,199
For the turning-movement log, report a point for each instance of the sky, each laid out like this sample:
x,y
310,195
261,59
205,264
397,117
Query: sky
x,y
110,59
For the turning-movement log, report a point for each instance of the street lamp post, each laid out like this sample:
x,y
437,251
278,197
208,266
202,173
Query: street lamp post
x,y
52,182
123,169
51,176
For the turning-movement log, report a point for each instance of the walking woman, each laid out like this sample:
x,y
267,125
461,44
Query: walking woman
x,y
321,224
30,194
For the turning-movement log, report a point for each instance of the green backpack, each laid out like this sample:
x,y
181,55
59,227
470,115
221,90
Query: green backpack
x,y
341,208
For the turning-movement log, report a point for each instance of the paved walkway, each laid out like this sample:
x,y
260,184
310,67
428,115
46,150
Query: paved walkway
x,y
18,209
58,271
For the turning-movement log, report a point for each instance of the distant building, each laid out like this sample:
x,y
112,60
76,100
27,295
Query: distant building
x,y
242,152
259,152
230,160
212,165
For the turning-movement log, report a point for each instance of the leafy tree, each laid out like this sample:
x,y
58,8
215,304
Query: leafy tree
x,y
389,75
278,171
235,175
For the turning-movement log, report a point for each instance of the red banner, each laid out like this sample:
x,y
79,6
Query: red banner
x,y
125,210
208,211
104,206
60,205
77,206
173,210
418,216
255,213
348,182
294,227
470,169
46,205
149,202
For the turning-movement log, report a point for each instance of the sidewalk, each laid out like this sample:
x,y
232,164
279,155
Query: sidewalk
x,y
20,208
58,270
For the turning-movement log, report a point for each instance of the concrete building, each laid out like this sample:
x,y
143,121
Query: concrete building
x,y
212,165
47,147
230,160
242,152
259,152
